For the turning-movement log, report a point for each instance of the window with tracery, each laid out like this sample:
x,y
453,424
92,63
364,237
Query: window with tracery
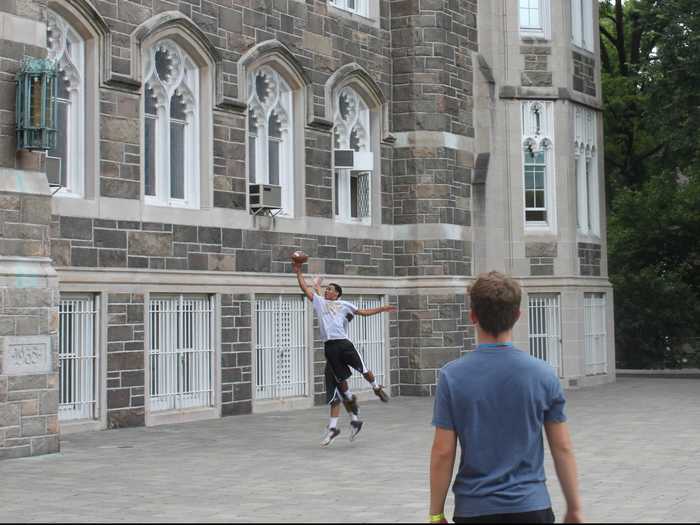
x,y
270,133
538,155
171,126
352,132
65,164
586,163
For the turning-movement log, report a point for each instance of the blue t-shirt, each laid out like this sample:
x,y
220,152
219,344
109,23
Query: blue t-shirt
x,y
496,399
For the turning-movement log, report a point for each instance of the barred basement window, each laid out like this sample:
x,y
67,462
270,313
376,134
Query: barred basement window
x,y
352,193
65,164
595,333
77,358
281,357
544,329
171,127
181,352
270,134
367,334
538,172
359,7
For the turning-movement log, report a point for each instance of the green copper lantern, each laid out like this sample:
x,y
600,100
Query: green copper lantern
x,y
36,104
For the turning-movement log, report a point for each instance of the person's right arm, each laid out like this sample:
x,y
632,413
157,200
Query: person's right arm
x,y
565,464
302,284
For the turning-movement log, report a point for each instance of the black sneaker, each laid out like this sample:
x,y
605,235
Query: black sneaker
x,y
351,405
379,392
355,427
330,436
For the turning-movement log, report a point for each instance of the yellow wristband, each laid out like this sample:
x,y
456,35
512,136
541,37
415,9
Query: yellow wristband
x,y
437,518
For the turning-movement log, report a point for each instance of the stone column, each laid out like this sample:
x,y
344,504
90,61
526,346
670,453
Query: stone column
x,y
28,282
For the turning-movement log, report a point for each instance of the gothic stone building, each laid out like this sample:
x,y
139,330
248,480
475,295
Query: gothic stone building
x,y
405,145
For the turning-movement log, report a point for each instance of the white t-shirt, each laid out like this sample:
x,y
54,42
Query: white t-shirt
x,y
332,316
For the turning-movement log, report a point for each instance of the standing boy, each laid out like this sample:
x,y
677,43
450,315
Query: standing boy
x,y
334,316
495,401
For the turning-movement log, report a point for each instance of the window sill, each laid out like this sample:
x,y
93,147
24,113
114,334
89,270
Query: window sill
x,y
538,229
583,49
169,204
532,34
359,222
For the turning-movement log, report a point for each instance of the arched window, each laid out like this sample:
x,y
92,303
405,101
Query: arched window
x,y
538,161
354,161
65,164
586,169
270,140
171,126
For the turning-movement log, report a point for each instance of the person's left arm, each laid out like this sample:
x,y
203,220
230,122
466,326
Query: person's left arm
x,y
364,312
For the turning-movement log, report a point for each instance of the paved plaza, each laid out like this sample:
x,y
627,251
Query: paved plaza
x,y
636,442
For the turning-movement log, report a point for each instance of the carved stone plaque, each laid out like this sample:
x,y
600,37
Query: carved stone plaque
x,y
26,355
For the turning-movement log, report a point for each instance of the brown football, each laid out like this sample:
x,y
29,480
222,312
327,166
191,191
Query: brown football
x,y
299,257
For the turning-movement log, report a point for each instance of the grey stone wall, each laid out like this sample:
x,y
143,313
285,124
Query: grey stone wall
x,y
589,257
536,71
236,354
584,74
433,330
125,360
541,256
432,42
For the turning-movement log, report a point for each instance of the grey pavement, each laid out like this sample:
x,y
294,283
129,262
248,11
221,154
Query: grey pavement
x,y
636,442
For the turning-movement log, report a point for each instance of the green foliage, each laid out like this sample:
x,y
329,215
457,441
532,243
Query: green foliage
x,y
651,91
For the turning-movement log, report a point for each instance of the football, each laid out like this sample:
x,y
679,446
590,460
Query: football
x,y
299,257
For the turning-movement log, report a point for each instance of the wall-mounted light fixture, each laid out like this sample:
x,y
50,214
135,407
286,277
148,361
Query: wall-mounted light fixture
x,y
36,104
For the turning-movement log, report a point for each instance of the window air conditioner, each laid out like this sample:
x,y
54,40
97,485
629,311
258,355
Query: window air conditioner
x,y
353,160
265,197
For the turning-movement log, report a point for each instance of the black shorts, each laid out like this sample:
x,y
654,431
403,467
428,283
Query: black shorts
x,y
537,516
341,355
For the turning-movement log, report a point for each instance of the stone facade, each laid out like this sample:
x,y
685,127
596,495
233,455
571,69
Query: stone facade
x,y
446,190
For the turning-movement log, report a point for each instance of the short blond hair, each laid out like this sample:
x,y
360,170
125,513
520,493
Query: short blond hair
x,y
495,299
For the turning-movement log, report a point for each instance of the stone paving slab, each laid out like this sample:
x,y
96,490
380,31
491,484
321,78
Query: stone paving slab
x,y
636,443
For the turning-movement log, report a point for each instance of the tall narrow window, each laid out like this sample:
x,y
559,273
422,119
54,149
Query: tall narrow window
x,y
65,163
586,162
367,334
538,173
270,140
582,33
595,333
535,18
171,127
354,161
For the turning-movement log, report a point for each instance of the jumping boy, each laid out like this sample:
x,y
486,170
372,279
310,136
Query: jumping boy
x,y
495,401
334,316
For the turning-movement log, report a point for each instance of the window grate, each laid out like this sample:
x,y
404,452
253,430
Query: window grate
x,y
595,333
367,334
544,329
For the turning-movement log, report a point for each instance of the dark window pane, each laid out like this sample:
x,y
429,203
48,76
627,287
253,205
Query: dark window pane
x,y
275,127
539,215
251,158
164,65
355,140
252,123
178,108
274,161
529,199
353,196
62,86
56,165
344,106
177,160
337,193
261,87
150,156
149,102
539,199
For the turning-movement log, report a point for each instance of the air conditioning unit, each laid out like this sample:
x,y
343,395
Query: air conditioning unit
x,y
353,160
265,197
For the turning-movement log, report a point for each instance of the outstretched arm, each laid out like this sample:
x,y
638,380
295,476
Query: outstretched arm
x,y
372,311
302,283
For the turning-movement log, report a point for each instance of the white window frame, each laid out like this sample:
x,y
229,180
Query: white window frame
x,y
71,65
538,136
586,169
582,31
357,120
184,81
543,28
167,372
361,7
280,100
78,358
544,328
281,355
595,334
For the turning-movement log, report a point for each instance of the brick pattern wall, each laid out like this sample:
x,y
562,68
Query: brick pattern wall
x,y
236,354
437,257
230,178
589,257
433,330
125,360
120,145
584,74
536,68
